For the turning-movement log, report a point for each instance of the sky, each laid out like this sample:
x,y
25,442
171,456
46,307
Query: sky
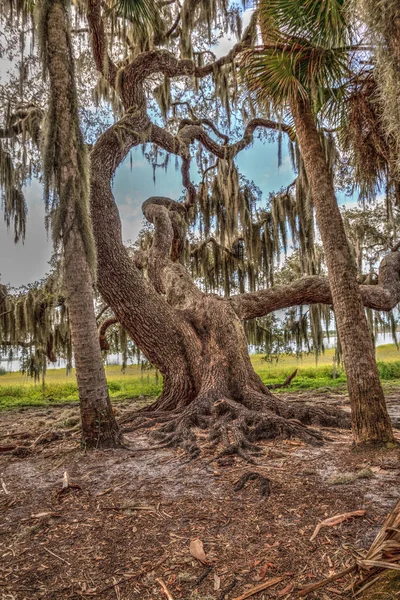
x,y
24,263
27,262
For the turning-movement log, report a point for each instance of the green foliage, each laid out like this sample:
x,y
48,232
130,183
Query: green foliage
x,y
389,370
17,391
3,371
304,52
140,12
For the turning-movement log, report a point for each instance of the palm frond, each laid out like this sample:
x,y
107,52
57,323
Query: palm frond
x,y
139,12
305,52
324,23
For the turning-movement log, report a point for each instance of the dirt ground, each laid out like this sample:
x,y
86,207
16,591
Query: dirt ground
x,y
124,528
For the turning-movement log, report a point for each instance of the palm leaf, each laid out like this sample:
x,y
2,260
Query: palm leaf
x,y
305,52
323,22
139,12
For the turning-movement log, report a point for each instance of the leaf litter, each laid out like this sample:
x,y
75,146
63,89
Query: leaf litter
x,y
139,522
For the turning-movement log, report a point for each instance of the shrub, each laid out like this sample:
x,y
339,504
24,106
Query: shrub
x,y
389,370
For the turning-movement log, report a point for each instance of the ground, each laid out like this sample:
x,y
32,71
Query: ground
x,y
130,522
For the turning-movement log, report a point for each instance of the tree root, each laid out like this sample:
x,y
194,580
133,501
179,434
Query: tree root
x,y
265,486
234,428
317,415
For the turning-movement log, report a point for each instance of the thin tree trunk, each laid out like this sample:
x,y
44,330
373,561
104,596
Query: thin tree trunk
x,y
99,428
370,420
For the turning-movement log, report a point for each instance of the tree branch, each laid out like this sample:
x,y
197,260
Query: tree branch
x,y
165,272
213,241
316,290
104,345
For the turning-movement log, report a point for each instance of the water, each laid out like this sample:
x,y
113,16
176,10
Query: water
x,y
13,366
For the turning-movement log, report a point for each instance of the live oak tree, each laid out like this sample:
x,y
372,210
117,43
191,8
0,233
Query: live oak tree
x,y
167,294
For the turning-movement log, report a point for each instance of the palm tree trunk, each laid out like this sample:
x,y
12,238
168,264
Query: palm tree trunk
x,y
370,419
99,428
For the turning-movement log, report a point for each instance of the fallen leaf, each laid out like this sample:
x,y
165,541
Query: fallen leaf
x,y
286,590
45,514
263,571
197,551
217,582
336,520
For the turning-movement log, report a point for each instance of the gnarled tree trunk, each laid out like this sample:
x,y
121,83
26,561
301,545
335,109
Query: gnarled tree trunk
x,y
370,419
196,340
99,428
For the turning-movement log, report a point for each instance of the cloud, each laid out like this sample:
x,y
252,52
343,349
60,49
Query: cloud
x,y
226,42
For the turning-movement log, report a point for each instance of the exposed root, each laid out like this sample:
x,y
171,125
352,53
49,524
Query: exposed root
x,y
265,486
315,415
234,428
178,432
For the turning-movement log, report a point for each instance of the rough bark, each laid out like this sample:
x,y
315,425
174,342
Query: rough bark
x,y
370,419
196,340
99,428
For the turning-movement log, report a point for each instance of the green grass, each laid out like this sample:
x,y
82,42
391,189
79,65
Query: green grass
x,y
17,390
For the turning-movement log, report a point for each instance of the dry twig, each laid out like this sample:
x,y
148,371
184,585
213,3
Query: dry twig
x,y
336,520
260,588
165,589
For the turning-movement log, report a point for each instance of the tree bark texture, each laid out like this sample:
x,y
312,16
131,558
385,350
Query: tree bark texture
x,y
370,419
99,427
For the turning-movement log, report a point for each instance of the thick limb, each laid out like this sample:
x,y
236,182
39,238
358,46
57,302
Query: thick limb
x,y
315,290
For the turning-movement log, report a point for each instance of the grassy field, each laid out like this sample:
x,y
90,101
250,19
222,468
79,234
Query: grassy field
x,y
19,391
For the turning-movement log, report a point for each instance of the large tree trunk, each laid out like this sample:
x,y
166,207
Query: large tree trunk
x,y
196,340
370,420
99,428
227,399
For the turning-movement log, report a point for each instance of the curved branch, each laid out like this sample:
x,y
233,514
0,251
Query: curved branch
x,y
168,218
150,62
104,345
207,122
192,131
316,290
167,275
211,240
163,61
174,26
